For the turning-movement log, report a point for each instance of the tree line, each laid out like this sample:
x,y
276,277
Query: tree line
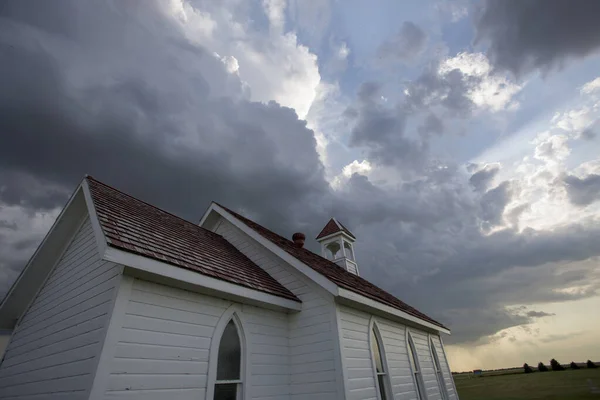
x,y
556,366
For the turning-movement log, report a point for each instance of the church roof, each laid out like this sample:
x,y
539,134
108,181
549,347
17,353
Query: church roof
x,y
334,272
138,227
334,226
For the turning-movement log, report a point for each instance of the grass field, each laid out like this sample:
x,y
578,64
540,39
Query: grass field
x,y
580,384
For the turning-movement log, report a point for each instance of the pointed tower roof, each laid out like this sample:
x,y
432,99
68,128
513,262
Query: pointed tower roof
x,y
334,226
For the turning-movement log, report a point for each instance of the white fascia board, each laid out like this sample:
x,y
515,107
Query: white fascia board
x,y
32,277
350,238
197,280
365,301
98,233
278,251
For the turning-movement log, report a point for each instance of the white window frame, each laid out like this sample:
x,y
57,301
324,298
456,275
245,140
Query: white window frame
x,y
437,367
415,369
373,328
233,313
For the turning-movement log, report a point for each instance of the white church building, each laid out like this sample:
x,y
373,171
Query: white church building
x,y
125,301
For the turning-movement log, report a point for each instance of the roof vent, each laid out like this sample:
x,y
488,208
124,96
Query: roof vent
x,y
298,238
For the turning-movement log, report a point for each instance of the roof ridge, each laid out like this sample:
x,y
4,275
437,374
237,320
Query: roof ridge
x,y
197,226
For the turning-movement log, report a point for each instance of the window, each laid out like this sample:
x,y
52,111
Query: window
x,y
382,378
333,250
229,365
348,251
438,370
414,365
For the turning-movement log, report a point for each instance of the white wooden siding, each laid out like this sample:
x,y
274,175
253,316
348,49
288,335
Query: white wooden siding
x,y
54,350
163,346
445,366
421,341
357,357
312,348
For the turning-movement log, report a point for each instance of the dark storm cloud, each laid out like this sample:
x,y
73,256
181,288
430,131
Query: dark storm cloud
x,y
166,139
405,46
524,35
583,191
120,93
381,129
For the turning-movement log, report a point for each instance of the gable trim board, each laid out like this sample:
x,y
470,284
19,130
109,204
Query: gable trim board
x,y
25,288
149,269
338,292
303,268
358,301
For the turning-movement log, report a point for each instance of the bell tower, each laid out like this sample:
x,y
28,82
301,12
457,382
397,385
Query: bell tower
x,y
337,245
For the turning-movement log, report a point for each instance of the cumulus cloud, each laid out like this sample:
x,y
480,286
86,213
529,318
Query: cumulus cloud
x,y
544,34
462,85
591,86
405,46
486,88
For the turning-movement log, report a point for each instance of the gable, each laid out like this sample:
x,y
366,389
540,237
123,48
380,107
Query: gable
x,y
343,279
42,261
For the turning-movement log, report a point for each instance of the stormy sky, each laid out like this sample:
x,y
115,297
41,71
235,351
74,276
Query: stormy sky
x,y
457,140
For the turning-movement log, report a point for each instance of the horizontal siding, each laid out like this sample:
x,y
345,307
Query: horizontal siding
x,y
312,372
445,366
358,364
54,350
164,342
354,341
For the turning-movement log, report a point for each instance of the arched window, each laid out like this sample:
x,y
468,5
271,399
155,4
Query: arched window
x,y
438,370
379,365
228,384
414,365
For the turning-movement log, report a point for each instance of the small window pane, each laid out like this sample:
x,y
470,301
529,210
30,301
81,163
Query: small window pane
x,y
411,356
230,354
418,380
436,360
376,352
226,391
348,250
381,379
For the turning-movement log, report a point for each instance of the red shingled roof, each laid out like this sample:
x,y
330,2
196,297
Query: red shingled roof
x,y
334,272
138,227
334,226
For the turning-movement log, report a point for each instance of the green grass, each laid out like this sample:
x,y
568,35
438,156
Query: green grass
x,y
570,384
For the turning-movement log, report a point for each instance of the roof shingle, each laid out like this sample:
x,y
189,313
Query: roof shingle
x,y
334,272
334,226
138,227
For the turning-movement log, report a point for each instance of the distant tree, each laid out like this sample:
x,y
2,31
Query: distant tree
x,y
542,367
527,368
556,366
573,365
590,364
